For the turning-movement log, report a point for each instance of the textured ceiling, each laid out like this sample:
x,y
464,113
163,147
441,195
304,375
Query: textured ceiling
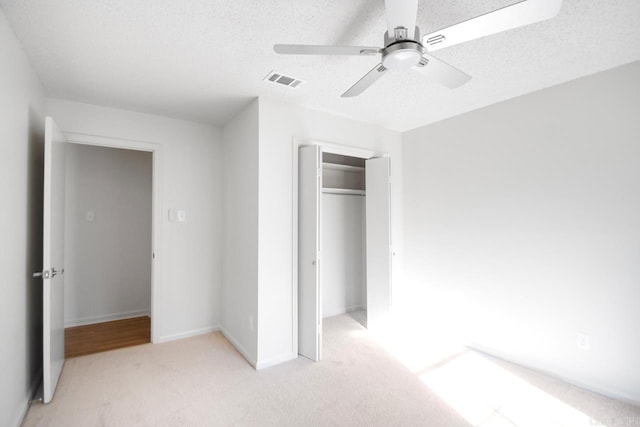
x,y
204,60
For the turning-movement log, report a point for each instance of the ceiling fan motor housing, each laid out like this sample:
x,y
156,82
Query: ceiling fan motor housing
x,y
401,52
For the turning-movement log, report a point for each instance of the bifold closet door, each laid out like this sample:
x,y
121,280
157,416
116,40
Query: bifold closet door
x,y
309,292
378,217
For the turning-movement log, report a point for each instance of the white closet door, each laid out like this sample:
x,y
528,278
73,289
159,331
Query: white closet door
x,y
309,293
378,216
53,257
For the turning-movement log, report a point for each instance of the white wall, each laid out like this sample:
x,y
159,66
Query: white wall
x,y
22,105
279,123
108,259
343,253
523,220
189,294
240,237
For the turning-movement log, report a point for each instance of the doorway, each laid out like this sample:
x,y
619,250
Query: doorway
x,y
53,241
343,268
108,234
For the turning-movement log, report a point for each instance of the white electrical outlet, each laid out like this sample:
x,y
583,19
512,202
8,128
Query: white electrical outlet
x,y
583,342
90,216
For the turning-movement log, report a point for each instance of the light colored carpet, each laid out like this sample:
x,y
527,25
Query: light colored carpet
x,y
203,381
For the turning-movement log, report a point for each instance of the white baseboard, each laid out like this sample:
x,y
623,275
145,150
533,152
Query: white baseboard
x,y
234,342
276,360
187,334
105,318
614,394
347,309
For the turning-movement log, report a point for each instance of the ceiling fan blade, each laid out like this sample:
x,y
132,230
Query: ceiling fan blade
x,y
365,82
516,15
303,49
401,13
441,72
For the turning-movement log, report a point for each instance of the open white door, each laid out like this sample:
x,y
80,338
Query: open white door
x,y
378,216
53,257
309,304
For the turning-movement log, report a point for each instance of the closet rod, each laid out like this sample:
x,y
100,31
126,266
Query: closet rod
x,y
344,191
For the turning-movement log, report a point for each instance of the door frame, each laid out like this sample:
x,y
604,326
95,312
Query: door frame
x,y
327,147
156,208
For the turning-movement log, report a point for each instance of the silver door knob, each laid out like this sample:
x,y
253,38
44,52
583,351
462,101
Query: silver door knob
x,y
45,274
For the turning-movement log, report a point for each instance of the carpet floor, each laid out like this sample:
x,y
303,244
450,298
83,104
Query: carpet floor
x,y
203,381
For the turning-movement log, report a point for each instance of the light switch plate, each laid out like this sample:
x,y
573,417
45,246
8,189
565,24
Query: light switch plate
x,y
181,215
90,216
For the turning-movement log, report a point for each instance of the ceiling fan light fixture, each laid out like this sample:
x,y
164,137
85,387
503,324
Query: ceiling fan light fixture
x,y
402,56
401,60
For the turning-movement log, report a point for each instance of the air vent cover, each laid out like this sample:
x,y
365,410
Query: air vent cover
x,y
281,79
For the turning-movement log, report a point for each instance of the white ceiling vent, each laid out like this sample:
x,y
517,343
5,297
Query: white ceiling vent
x,y
283,80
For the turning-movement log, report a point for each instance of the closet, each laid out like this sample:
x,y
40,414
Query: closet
x,y
344,239
342,235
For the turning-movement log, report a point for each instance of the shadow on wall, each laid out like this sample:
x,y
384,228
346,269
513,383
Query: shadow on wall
x,y
33,233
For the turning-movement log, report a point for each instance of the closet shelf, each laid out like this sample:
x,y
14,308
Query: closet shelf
x,y
343,191
339,167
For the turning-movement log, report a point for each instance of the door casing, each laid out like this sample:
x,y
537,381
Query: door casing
x,y
156,220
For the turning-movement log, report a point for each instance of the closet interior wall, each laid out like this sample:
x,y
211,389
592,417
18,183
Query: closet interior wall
x,y
343,231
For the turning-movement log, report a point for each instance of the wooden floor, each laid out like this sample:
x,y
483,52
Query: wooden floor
x,y
87,339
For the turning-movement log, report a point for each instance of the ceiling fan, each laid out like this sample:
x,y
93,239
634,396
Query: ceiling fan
x,y
404,49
